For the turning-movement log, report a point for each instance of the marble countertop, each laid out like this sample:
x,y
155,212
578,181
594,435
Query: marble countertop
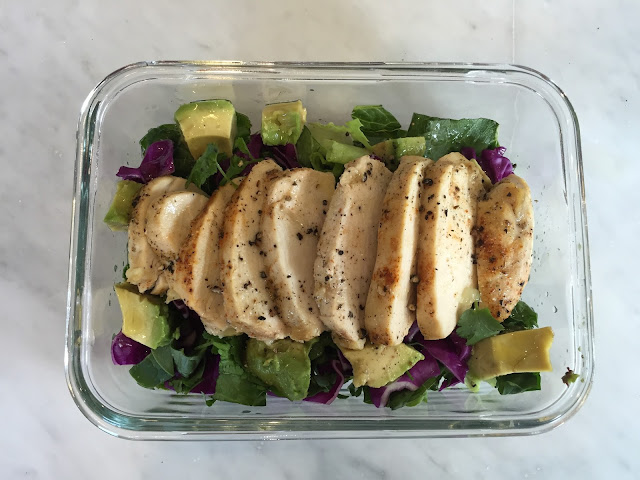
x,y
53,53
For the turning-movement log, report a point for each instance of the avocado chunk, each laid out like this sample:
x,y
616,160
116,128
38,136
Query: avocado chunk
x,y
343,154
378,365
145,318
205,122
284,365
516,352
282,123
385,151
410,146
119,214
390,151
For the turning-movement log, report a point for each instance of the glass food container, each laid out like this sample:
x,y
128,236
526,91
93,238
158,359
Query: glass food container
x,y
537,125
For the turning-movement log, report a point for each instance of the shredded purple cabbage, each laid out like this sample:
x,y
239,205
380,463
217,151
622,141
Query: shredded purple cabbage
x,y
411,334
469,152
157,161
126,351
284,155
255,145
328,397
453,352
209,376
493,162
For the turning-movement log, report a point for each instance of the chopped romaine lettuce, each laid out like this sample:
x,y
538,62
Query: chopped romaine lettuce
x,y
444,135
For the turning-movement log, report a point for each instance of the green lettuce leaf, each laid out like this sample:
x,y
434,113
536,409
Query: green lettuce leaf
x,y
477,324
162,356
149,373
185,384
323,351
445,135
235,384
378,124
518,383
327,134
310,153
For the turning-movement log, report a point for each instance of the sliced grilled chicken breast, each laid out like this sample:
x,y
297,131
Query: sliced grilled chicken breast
x,y
449,197
196,272
390,308
169,220
347,250
295,209
504,244
144,265
249,305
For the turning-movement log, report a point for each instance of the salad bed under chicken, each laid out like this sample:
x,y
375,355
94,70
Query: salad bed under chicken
x,y
317,261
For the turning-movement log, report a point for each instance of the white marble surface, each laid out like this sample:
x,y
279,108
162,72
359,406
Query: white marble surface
x,y
53,53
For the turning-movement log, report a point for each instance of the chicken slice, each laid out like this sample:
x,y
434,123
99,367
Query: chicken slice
x,y
446,269
504,245
347,250
390,308
169,220
144,265
295,209
196,272
249,305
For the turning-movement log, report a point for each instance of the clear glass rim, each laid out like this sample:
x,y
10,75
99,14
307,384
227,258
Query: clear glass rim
x,y
134,427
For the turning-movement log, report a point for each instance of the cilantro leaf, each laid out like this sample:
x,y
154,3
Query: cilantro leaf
x,y
206,166
243,127
445,135
522,318
477,324
241,144
569,377
237,166
518,383
377,123
183,161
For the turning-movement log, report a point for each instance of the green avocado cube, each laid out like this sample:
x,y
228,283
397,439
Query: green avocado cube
x,y
343,154
385,150
205,122
515,352
282,123
284,365
410,146
119,214
145,318
378,365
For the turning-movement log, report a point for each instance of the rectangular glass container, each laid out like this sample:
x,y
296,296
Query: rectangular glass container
x,y
537,125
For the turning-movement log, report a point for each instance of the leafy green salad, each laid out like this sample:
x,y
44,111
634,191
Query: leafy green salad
x,y
177,334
